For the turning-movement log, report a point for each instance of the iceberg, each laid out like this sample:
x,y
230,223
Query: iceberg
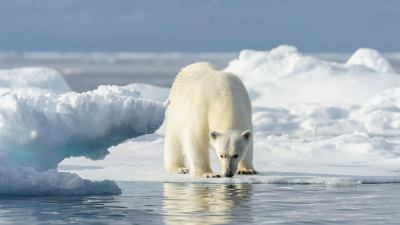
x,y
38,132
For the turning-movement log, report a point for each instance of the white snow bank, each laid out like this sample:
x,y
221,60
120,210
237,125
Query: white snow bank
x,y
306,96
381,115
344,160
308,120
37,133
32,81
371,59
284,76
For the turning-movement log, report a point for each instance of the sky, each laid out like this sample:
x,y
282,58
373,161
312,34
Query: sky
x,y
198,26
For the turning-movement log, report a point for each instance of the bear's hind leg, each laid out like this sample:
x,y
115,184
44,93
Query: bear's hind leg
x,y
174,161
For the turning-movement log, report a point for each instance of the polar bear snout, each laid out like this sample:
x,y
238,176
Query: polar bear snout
x,y
229,167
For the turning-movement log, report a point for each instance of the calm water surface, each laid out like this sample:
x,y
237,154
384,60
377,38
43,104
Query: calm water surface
x,y
171,203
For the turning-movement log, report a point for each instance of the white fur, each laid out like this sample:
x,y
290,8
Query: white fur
x,y
205,103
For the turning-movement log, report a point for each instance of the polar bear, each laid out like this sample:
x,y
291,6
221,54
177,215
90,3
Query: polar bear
x,y
209,109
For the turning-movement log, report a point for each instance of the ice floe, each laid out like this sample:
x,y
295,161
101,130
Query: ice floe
x,y
38,132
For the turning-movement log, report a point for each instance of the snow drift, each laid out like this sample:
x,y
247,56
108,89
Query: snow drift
x,y
284,76
37,133
32,81
381,114
371,59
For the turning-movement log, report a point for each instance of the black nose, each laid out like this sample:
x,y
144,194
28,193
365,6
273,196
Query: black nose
x,y
228,174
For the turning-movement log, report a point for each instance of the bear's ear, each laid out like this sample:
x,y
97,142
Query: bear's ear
x,y
246,135
214,135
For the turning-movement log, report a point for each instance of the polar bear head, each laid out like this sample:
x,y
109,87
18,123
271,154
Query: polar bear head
x,y
231,148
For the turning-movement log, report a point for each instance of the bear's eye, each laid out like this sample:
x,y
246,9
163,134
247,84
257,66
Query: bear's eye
x,y
221,156
235,156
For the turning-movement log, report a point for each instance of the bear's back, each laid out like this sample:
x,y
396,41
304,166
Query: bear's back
x,y
205,80
191,76
203,90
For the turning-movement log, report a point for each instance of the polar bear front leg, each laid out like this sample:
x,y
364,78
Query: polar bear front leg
x,y
173,154
199,159
246,167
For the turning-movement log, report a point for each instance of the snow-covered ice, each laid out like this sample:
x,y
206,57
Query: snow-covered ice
x,y
349,159
303,95
371,59
72,124
381,114
284,76
315,122
38,132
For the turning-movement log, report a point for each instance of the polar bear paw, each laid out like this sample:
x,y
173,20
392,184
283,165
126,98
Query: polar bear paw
x,y
247,172
210,175
183,170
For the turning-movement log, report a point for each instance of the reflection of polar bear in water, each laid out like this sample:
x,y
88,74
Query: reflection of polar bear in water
x,y
206,204
209,108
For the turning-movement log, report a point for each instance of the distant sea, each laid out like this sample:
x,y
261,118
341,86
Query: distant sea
x,y
86,71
